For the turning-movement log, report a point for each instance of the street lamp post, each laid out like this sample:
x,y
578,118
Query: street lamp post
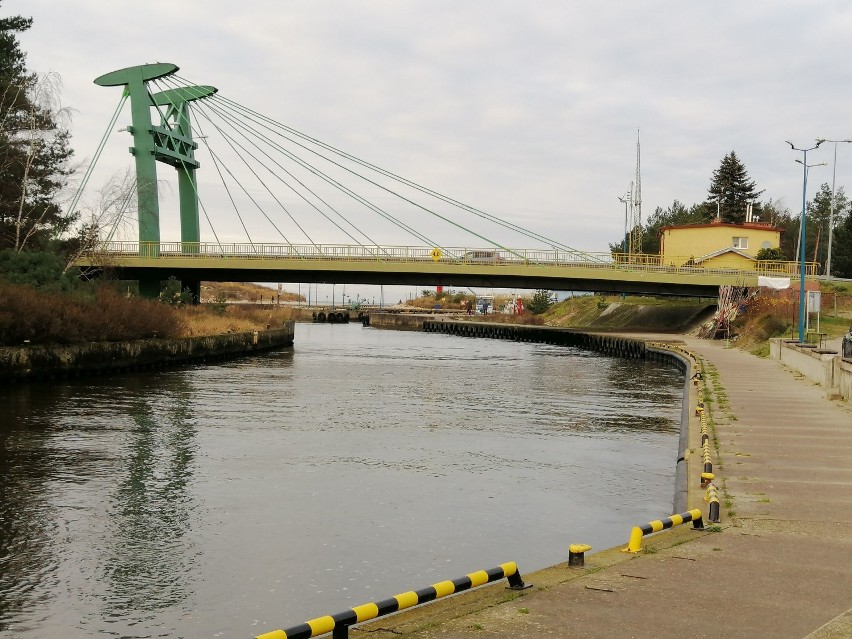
x,y
625,200
831,213
722,194
808,168
802,237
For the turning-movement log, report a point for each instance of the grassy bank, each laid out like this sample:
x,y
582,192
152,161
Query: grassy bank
x,y
613,312
102,313
770,314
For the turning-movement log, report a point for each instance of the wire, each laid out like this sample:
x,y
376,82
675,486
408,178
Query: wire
x,y
431,192
341,187
398,195
88,174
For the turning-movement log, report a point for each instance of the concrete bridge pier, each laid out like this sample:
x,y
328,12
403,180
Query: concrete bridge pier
x,y
194,287
149,287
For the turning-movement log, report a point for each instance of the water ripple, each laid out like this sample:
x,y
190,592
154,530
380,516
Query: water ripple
x,y
229,499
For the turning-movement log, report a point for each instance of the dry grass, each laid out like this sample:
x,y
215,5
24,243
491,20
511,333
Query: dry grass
x,y
235,318
104,314
503,318
99,314
243,292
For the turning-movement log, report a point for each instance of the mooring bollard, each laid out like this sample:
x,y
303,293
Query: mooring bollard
x,y
576,554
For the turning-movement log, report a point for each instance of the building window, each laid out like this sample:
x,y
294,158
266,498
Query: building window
x,y
740,242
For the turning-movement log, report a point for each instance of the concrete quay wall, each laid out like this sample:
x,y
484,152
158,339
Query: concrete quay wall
x,y
399,321
37,361
825,368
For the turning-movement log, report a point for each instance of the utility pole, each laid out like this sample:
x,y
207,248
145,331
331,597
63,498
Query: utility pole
x,y
831,213
636,202
802,231
628,197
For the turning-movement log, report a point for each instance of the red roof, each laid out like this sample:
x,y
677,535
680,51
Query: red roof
x,y
755,226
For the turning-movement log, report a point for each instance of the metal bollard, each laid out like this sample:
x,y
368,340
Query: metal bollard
x,y
576,554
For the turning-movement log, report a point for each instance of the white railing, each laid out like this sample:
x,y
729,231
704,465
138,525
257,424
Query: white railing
x,y
449,256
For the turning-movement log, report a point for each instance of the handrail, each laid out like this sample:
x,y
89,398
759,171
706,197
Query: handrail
x,y
707,475
532,258
339,623
712,497
635,543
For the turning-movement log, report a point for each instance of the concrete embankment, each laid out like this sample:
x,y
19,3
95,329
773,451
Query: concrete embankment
x,y
824,367
779,564
589,313
57,361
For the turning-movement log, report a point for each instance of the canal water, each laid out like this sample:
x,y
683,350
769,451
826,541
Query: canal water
x,y
231,499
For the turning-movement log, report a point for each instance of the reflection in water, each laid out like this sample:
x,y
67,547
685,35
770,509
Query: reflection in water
x,y
230,499
26,524
148,560
94,473
32,464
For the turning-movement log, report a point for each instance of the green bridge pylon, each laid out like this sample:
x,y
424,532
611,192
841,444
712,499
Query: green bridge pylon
x,y
169,141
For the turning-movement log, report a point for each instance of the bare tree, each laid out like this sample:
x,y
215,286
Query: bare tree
x,y
112,213
34,155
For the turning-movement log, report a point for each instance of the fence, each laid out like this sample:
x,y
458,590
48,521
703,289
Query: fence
x,y
339,623
635,543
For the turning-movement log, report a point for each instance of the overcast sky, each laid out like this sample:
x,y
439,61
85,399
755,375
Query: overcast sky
x,y
529,111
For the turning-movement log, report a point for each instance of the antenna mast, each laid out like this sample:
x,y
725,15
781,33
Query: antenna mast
x,y
636,203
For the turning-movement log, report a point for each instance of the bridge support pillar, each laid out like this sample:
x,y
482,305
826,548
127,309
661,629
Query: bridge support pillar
x,y
149,287
169,142
194,287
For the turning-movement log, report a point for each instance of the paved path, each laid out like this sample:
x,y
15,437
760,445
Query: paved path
x,y
781,566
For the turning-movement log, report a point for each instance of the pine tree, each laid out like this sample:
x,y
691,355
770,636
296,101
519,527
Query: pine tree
x,y
732,190
540,302
841,251
34,148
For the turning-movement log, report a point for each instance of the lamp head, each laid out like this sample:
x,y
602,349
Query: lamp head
x,y
792,146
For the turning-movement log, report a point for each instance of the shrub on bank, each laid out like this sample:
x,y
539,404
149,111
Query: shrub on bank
x,y
99,314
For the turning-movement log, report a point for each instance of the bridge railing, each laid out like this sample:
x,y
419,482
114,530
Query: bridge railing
x,y
449,256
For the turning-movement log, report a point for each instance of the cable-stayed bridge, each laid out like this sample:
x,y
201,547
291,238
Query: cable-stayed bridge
x,y
309,212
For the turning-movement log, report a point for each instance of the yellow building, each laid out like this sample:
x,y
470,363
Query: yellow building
x,y
717,244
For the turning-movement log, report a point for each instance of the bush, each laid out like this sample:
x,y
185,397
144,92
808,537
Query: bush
x,y
766,315
173,295
539,303
219,305
44,317
40,270
771,254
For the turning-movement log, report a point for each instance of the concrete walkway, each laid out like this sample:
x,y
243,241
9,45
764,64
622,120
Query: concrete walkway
x,y
780,567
